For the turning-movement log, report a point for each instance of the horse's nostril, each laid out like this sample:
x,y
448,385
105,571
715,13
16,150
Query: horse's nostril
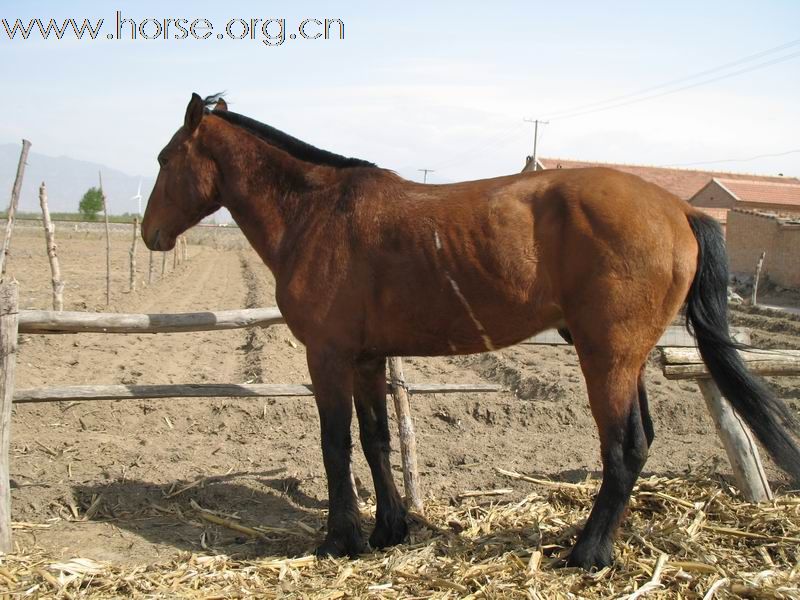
x,y
155,239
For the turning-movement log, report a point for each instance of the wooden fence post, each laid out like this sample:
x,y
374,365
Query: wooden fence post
x,y
150,270
133,253
759,264
408,440
12,205
8,348
175,258
163,263
739,445
49,236
108,243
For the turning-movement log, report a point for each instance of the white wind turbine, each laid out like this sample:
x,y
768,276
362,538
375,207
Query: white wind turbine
x,y
138,198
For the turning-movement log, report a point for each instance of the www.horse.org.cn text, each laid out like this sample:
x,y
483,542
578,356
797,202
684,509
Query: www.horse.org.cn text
x,y
269,31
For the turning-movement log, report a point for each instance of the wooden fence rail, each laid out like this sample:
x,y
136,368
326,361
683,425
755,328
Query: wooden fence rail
x,y
213,390
13,322
686,363
47,321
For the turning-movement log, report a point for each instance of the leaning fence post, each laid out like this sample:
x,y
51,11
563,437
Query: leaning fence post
x,y
759,264
12,206
49,236
408,440
133,253
108,243
739,445
9,320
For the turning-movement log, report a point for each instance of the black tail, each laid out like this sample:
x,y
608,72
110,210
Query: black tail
x,y
770,419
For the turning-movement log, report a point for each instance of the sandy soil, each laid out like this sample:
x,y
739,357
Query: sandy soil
x,y
127,462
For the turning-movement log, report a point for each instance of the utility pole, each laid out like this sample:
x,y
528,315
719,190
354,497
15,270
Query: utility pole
x,y
425,174
535,136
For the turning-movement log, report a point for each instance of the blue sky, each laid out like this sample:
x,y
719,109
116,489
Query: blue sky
x,y
417,85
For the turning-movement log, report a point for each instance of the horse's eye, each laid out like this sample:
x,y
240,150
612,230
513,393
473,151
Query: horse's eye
x,y
162,161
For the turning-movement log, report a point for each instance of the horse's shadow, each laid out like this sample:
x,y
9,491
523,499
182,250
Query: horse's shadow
x,y
289,521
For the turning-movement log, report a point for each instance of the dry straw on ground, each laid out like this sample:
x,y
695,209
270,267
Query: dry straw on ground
x,y
682,539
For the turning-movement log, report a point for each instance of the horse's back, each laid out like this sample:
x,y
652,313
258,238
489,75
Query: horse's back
x,y
480,265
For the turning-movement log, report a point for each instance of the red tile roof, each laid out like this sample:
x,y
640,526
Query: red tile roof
x,y
684,183
784,194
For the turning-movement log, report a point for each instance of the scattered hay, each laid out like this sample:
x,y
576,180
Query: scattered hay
x,y
682,539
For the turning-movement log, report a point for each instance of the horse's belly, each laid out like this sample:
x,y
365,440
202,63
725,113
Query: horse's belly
x,y
462,330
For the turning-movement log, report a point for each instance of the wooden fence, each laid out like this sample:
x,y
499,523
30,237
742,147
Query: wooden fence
x,y
678,364
13,322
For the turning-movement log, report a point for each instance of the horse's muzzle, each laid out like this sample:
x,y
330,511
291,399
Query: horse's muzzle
x,y
152,241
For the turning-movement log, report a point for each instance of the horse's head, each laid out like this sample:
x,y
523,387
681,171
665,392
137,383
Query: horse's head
x,y
185,191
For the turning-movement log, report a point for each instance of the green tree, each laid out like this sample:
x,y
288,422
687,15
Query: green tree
x,y
91,204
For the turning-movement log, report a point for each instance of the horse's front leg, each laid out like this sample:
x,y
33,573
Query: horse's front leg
x,y
373,425
332,376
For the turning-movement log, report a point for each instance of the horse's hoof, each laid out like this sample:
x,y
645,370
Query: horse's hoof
x,y
588,558
337,548
389,530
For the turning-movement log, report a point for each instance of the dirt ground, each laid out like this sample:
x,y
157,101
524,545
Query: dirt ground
x,y
116,481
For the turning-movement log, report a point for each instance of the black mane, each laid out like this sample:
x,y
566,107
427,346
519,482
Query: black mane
x,y
297,148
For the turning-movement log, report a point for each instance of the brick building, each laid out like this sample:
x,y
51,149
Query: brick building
x,y
780,197
751,232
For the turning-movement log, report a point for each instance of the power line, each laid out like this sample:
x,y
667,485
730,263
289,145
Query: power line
x,y
502,138
612,103
672,82
725,160
683,88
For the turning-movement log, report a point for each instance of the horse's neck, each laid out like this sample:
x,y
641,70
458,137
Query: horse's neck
x,y
264,229
264,198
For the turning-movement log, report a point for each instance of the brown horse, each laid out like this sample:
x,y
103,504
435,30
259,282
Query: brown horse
x,y
369,265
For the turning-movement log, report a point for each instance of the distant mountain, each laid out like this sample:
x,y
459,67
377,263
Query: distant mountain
x,y
67,180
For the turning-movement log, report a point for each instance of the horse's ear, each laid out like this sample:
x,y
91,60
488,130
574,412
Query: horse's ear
x,y
221,106
194,113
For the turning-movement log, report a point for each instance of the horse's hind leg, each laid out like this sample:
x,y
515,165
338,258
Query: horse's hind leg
x,y
369,393
332,376
644,409
614,399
